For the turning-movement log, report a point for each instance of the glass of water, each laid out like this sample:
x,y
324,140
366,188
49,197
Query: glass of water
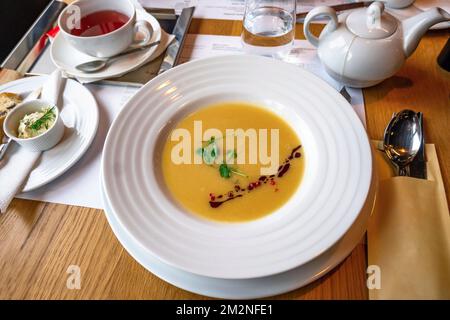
x,y
269,27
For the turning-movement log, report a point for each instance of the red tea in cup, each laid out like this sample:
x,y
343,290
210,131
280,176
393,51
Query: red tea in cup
x,y
99,23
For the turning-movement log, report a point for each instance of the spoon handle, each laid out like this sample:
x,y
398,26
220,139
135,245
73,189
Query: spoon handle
x,y
124,53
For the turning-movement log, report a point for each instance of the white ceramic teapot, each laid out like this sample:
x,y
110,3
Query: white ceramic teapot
x,y
365,46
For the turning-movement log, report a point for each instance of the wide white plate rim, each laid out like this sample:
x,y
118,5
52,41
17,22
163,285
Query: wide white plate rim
x,y
263,287
363,139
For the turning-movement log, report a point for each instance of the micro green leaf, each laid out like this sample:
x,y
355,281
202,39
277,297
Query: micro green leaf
x,y
224,171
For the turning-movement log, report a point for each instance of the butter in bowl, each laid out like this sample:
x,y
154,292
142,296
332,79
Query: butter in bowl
x,y
35,125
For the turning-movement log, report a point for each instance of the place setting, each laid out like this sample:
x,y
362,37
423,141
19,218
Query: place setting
x,y
79,115
175,238
34,152
239,173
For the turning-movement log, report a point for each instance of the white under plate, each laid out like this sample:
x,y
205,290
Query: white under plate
x,y
246,288
66,57
80,115
338,169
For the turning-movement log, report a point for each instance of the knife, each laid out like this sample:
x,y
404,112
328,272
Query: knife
x,y
418,167
173,51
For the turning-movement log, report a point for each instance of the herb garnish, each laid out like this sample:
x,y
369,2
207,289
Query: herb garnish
x,y
47,116
231,154
226,171
210,152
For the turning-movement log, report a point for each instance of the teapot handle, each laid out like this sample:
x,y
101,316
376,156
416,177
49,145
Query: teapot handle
x,y
319,11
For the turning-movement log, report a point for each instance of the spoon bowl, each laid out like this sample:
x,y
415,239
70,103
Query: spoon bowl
x,y
402,140
92,66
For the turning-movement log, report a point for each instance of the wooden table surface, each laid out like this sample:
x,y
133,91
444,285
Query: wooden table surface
x,y
39,241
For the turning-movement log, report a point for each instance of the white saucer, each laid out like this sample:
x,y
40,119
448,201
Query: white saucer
x,y
246,288
418,7
66,57
80,115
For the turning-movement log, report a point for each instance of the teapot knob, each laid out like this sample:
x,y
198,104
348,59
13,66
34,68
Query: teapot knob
x,y
374,12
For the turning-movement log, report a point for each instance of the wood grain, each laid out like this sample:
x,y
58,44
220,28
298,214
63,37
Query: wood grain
x,y
39,241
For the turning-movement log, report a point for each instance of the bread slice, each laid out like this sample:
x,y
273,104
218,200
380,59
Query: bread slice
x,y
7,102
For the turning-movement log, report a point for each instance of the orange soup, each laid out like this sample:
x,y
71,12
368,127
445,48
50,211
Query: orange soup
x,y
232,162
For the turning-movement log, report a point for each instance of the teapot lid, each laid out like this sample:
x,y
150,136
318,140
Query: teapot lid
x,y
372,23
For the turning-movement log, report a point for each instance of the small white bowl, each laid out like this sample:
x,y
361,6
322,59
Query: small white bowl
x,y
42,142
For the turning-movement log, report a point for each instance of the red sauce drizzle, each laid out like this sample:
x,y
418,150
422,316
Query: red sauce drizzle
x,y
239,191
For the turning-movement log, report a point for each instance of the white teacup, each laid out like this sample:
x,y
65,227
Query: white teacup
x,y
108,44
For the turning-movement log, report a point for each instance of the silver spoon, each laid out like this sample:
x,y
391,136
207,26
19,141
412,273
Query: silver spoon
x,y
97,65
402,140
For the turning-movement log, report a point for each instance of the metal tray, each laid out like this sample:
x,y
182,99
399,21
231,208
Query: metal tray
x,y
31,54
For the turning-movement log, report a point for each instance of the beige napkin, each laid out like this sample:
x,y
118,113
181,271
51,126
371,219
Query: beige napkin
x,y
18,162
409,234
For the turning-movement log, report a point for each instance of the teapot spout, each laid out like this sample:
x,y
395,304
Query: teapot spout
x,y
415,27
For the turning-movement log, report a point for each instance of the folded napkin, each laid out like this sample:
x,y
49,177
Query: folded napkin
x,y
408,235
15,167
18,162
